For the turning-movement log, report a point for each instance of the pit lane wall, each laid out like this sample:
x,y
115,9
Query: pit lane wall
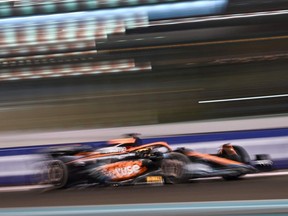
x,y
19,156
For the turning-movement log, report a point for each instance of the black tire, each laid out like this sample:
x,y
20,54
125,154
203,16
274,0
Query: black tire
x,y
244,158
57,174
173,168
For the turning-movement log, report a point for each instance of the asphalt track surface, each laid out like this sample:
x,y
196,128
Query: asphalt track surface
x,y
260,188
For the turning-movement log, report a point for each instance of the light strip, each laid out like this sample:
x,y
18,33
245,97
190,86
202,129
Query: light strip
x,y
8,60
96,5
48,72
42,49
217,18
243,98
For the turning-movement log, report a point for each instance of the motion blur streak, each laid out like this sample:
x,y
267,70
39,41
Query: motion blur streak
x,y
63,46
196,44
18,8
215,18
18,165
154,12
72,70
246,98
66,31
20,169
46,58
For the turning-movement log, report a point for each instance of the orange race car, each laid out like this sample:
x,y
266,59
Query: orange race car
x,y
127,161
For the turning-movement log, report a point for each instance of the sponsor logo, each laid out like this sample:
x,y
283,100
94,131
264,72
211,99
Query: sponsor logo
x,y
154,179
123,170
112,150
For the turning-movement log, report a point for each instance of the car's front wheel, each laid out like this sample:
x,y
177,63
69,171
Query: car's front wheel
x,y
173,168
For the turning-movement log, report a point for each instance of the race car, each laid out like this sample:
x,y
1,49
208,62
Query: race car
x,y
130,162
127,161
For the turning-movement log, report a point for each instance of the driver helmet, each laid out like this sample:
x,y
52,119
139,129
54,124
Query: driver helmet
x,y
227,149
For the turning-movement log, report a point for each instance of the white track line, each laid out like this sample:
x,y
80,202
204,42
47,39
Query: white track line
x,y
23,188
254,175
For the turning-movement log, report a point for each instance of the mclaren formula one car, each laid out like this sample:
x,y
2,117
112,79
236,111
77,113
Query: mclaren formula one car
x,y
129,162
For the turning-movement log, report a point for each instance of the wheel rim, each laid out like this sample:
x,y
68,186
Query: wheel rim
x,y
173,168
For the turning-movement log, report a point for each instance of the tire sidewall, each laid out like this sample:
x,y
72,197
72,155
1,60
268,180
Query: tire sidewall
x,y
176,162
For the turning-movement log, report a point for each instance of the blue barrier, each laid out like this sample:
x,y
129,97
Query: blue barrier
x,y
18,180
279,140
171,140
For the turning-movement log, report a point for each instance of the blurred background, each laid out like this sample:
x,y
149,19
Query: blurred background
x,y
67,65
78,64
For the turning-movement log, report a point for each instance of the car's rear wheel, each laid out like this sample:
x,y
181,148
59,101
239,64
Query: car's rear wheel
x,y
173,168
57,174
